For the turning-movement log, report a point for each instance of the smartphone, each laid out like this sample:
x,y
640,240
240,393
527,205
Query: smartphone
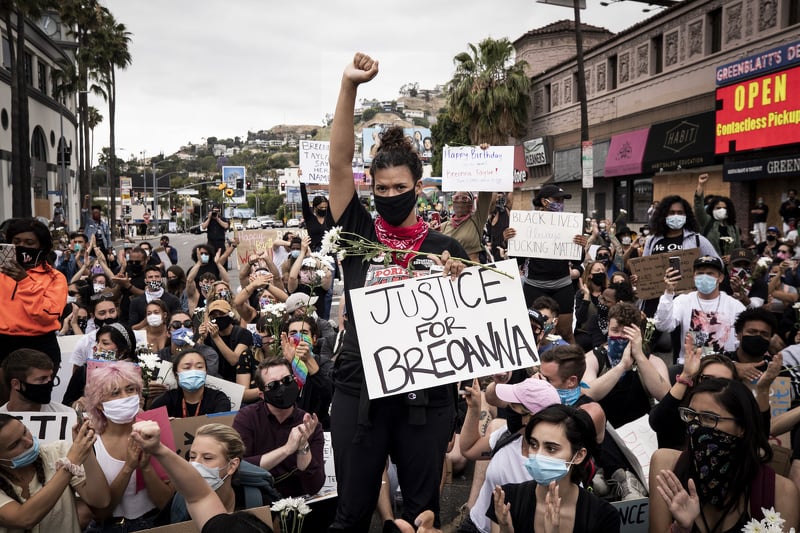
x,y
675,263
8,253
81,415
700,338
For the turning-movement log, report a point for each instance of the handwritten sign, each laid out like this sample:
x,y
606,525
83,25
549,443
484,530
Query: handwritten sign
x,y
48,427
314,161
545,234
780,395
252,243
634,515
650,271
641,440
470,168
431,330
328,489
184,429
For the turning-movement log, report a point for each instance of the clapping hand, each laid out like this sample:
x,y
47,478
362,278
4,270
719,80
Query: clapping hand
x,y
684,506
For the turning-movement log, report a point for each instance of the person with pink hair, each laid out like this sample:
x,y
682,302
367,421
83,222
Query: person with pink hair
x,y
113,399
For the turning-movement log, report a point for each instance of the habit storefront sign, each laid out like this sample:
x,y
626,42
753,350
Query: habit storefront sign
x,y
684,143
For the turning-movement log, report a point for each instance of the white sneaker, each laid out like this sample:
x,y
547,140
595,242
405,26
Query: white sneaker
x,y
628,485
599,485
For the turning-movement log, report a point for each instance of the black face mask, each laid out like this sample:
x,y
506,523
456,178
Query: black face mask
x,y
134,269
173,284
222,322
322,212
282,396
37,393
771,238
28,257
104,322
514,422
82,322
754,345
395,209
599,279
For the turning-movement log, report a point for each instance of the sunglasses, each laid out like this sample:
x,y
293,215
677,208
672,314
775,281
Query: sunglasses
x,y
284,382
177,324
102,296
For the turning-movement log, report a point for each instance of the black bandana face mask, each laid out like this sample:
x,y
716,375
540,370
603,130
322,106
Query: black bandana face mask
x,y
282,396
713,454
395,209
28,258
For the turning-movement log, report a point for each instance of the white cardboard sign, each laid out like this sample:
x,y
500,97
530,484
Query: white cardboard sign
x,y
314,161
329,488
429,331
641,440
470,168
48,427
545,234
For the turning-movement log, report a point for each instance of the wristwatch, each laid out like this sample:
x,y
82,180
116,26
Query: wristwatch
x,y
304,450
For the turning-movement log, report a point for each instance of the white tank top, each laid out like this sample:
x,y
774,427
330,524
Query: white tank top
x,y
133,504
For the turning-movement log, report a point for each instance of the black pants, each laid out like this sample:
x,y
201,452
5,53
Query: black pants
x,y
47,343
417,450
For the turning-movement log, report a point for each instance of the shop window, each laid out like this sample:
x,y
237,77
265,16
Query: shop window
x,y
714,33
794,12
42,79
6,54
39,145
39,187
612,72
547,98
29,69
641,198
657,54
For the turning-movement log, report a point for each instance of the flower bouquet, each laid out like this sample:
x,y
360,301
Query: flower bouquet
x,y
149,362
771,523
273,314
291,513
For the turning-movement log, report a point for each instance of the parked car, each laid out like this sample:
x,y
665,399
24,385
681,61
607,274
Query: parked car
x,y
267,222
293,223
238,226
253,224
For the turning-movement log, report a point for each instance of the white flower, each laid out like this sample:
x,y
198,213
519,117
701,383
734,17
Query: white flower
x,y
330,241
303,509
797,305
753,526
320,273
310,262
771,516
149,360
279,505
623,212
764,262
726,239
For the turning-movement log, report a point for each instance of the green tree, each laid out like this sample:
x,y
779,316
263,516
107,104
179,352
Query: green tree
x,y
446,131
489,92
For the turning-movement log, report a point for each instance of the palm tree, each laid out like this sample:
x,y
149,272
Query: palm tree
x,y
489,92
114,39
18,11
94,118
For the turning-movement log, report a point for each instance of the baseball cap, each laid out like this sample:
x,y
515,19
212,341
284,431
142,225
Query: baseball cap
x,y
773,228
534,394
537,317
708,261
219,305
741,255
297,300
553,191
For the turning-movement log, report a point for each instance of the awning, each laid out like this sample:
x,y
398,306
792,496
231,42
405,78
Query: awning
x,y
682,143
626,153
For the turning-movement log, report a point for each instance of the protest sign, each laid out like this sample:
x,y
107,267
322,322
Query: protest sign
x,y
165,260
634,515
233,391
470,168
263,513
545,234
431,330
184,429
651,268
48,427
780,395
314,161
252,243
641,440
160,417
328,489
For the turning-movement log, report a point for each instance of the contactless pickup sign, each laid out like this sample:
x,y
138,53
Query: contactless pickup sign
x,y
428,331
759,112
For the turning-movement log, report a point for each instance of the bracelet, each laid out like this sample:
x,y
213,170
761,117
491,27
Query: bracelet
x,y
304,450
73,469
684,381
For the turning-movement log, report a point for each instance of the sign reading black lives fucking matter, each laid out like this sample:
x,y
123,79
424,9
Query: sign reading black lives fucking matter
x,y
428,331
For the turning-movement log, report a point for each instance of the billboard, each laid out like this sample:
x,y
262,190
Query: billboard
x,y
759,112
234,179
420,139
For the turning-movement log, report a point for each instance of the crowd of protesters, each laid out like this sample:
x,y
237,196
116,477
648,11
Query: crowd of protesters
x,y
697,364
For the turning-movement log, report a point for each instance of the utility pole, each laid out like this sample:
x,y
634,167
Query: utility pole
x,y
584,111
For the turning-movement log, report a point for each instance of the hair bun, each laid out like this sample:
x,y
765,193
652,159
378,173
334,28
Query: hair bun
x,y
394,139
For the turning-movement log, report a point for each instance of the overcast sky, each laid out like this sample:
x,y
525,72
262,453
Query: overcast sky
x,y
208,68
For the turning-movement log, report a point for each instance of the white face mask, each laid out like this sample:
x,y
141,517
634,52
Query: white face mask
x,y
98,287
122,410
626,240
720,214
210,475
72,299
154,320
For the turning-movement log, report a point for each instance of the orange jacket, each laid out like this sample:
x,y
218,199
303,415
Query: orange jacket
x,y
32,306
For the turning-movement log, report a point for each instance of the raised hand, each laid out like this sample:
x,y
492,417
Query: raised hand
x,y
83,439
684,506
472,395
361,70
692,356
502,510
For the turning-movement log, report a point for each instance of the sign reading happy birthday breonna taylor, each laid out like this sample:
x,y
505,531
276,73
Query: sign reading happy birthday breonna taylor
x,y
545,234
428,331
472,168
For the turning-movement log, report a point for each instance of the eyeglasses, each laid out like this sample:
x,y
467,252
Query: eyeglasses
x,y
177,324
708,420
102,296
284,382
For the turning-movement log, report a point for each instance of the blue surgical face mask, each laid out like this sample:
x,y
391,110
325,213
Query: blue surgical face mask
x,y
180,335
26,457
211,476
204,258
192,380
705,283
676,221
544,469
569,396
295,254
